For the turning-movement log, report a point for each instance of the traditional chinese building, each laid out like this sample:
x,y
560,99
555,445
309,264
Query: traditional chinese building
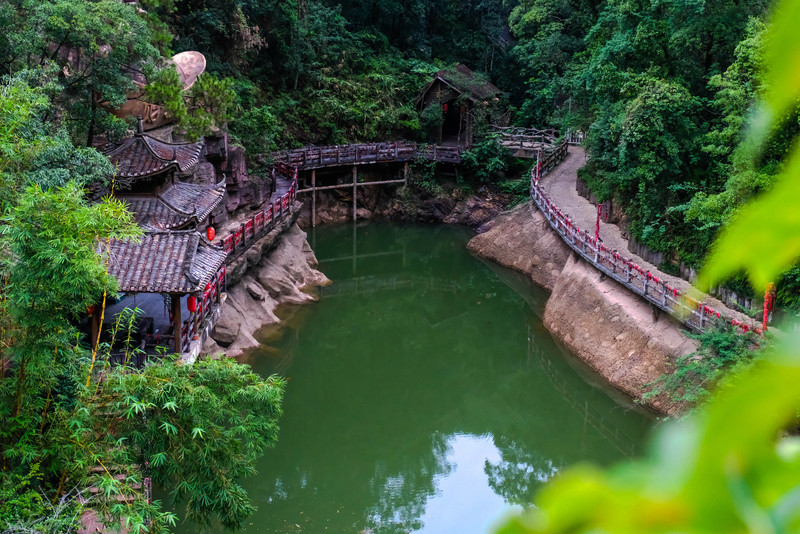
x,y
174,273
459,92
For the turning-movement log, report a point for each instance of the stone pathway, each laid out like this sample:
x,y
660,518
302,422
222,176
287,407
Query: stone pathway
x,y
559,185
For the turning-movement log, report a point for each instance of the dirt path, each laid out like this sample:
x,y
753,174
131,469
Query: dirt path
x,y
559,185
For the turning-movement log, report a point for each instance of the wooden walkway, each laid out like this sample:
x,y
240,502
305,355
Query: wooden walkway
x,y
648,284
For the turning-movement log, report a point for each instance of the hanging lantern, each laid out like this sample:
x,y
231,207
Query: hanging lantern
x,y
191,303
210,233
90,310
444,108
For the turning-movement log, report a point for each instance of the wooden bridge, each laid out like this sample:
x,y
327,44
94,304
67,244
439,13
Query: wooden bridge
x,y
314,158
541,144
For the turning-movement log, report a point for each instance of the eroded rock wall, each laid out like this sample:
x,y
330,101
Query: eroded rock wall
x,y
617,334
622,337
279,277
398,204
522,240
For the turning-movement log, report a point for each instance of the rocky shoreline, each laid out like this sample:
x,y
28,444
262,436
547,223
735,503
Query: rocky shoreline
x,y
279,270
617,334
451,206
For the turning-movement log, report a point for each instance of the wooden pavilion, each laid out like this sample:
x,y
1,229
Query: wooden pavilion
x,y
174,258
181,265
458,91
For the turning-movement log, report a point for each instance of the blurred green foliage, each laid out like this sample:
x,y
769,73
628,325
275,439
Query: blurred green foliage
x,y
727,467
718,470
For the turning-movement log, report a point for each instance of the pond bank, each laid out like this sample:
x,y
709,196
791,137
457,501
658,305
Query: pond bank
x,y
613,331
277,270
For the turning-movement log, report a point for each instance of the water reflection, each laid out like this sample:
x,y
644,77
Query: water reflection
x,y
424,395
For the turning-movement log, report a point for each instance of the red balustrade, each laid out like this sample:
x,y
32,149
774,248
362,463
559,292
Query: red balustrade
x,y
228,244
636,278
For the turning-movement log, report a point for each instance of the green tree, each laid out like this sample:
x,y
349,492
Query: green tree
x,y
486,159
94,44
720,469
205,105
64,410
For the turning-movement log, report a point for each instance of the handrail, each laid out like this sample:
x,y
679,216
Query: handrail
x,y
314,157
516,135
694,314
289,163
264,220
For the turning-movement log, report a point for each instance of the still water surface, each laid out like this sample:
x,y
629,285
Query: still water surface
x,y
424,393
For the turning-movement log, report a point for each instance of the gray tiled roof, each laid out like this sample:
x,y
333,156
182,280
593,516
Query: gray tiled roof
x,y
199,200
165,262
141,156
176,207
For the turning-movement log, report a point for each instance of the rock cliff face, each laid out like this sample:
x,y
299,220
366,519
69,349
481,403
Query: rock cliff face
x,y
279,276
392,202
522,240
608,327
614,332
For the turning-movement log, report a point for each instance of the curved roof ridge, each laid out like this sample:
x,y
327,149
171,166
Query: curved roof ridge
x,y
160,197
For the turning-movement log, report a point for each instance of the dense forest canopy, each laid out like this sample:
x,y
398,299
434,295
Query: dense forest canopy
x,y
663,89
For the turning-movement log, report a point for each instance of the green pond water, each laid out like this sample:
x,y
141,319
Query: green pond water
x,y
424,394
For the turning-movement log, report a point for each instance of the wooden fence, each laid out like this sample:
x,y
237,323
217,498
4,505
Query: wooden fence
x,y
260,224
516,134
316,157
694,314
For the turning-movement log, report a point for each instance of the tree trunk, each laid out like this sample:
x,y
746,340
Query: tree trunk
x,y
90,135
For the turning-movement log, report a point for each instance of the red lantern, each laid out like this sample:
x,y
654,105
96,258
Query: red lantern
x,y
191,303
210,234
444,107
90,310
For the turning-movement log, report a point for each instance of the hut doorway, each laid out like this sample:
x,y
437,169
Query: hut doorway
x,y
451,125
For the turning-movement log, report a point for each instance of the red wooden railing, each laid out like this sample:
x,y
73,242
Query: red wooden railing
x,y
210,295
264,220
694,314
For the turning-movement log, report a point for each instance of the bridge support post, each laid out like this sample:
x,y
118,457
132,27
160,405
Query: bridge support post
x,y
177,323
405,174
355,190
313,198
